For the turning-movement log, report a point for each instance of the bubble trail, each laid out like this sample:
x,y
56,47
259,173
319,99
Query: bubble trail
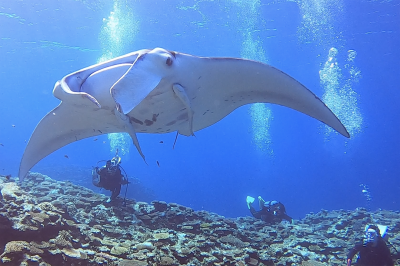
x,y
252,48
118,32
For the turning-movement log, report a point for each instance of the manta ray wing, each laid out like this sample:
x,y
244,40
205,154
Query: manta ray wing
x,y
217,86
63,125
197,92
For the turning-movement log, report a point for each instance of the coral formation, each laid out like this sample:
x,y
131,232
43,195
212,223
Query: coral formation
x,y
45,222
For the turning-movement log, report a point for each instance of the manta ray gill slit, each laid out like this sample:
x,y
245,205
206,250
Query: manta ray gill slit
x,y
135,120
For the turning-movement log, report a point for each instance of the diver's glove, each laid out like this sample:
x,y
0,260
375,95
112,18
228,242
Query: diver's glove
x,y
249,201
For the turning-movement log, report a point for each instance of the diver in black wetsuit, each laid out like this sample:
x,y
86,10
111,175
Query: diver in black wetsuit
x,y
373,251
270,211
109,177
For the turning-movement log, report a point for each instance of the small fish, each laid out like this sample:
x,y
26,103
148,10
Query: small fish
x,y
176,137
1,144
161,141
104,141
13,125
66,156
95,140
158,163
8,177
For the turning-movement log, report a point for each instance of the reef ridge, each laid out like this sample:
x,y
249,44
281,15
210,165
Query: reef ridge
x,y
47,222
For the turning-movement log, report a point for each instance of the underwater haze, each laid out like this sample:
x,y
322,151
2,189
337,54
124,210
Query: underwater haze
x,y
346,52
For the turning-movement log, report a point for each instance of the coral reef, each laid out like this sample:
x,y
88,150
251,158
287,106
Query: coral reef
x,y
47,222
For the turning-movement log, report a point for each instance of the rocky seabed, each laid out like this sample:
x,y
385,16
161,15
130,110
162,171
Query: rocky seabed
x,y
47,222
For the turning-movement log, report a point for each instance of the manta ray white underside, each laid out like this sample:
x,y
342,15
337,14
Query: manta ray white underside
x,y
160,91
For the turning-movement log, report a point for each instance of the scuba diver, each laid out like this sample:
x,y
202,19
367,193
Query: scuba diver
x,y
110,177
374,250
270,211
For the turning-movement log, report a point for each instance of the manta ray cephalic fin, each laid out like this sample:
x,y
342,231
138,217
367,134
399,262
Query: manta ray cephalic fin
x,y
181,94
139,77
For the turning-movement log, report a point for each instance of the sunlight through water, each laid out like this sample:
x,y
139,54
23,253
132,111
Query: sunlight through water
x,y
117,33
252,48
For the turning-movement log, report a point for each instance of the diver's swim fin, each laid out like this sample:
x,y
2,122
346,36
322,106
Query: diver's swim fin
x,y
249,201
382,229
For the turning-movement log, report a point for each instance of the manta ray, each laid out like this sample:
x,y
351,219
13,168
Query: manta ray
x,y
161,91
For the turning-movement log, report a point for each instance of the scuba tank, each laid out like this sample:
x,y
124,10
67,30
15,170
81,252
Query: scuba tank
x,y
95,176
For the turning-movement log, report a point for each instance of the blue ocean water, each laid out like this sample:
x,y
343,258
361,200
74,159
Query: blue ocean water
x,y
346,52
